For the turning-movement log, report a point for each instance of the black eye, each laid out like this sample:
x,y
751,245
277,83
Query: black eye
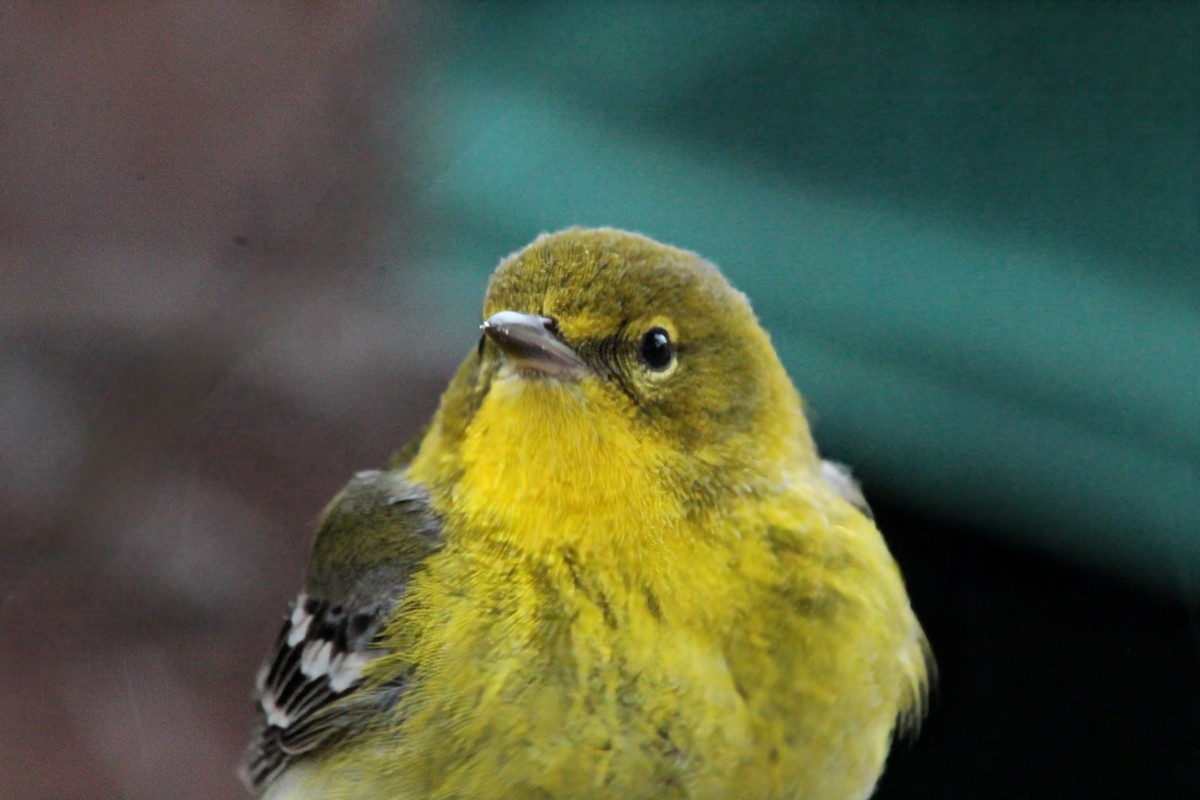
x,y
655,350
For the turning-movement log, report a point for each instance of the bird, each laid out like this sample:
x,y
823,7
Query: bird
x,y
614,565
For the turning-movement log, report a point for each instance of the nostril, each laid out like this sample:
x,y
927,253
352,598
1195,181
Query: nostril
x,y
551,325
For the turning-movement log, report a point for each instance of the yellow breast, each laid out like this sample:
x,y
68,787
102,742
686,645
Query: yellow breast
x,y
583,635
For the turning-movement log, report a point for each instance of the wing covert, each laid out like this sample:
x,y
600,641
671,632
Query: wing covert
x,y
372,537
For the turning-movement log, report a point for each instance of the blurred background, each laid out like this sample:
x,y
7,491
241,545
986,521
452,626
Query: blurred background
x,y
243,246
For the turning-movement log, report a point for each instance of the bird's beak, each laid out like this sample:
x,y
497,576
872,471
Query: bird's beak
x,y
532,345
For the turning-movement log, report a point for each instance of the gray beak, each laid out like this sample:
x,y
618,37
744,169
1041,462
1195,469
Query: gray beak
x,y
530,344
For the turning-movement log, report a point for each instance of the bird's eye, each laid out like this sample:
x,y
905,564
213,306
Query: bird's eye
x,y
656,350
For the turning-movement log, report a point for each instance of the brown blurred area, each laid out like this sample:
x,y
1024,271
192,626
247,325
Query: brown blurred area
x,y
196,350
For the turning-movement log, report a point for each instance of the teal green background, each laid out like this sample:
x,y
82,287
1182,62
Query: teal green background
x,y
972,230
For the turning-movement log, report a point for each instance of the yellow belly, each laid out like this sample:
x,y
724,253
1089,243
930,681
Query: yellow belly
x,y
585,635
555,678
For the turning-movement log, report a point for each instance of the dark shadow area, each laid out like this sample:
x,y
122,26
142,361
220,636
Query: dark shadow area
x,y
1055,681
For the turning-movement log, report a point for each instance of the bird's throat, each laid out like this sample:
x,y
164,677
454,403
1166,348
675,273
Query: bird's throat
x,y
546,463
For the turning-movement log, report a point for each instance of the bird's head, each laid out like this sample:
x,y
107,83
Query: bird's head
x,y
600,346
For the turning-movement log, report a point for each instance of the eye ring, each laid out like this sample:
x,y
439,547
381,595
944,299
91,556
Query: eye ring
x,y
655,350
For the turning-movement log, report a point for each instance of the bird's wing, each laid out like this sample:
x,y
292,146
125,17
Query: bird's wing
x,y
920,668
309,691
842,481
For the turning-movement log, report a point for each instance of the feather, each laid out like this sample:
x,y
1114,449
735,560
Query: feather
x,y
310,690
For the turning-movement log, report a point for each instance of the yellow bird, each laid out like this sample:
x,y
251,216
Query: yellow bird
x,y
614,566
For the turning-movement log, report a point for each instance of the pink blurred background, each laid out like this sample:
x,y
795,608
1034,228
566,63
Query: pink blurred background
x,y
200,339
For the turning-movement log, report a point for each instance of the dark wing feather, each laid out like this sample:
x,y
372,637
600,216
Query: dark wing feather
x,y
309,691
